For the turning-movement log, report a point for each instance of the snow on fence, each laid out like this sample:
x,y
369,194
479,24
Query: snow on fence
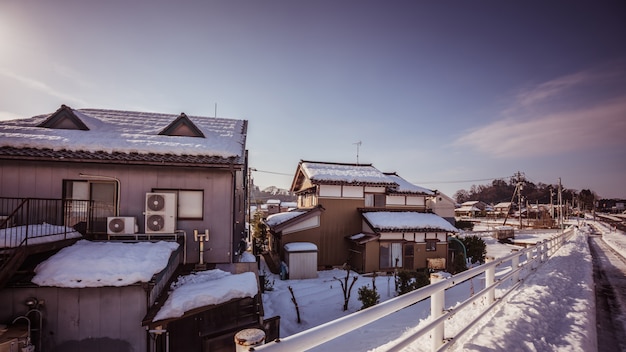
x,y
512,270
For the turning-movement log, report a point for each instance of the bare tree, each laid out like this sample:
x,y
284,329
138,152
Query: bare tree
x,y
345,287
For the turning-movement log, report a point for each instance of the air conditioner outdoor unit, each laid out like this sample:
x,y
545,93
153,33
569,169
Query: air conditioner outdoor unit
x,y
121,225
160,212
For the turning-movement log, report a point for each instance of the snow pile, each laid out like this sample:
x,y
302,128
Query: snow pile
x,y
300,247
206,288
98,264
554,310
391,220
37,234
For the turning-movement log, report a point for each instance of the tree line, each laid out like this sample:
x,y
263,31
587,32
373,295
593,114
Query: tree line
x,y
501,190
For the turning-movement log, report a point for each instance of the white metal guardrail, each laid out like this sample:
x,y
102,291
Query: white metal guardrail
x,y
514,268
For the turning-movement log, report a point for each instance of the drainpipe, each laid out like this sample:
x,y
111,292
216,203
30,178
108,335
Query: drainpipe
x,y
462,245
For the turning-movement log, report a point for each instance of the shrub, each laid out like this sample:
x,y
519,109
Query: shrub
x,y
476,248
368,297
464,225
407,281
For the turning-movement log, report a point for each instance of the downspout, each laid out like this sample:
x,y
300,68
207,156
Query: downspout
x,y
462,245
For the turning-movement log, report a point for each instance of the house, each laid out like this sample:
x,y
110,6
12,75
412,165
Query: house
x,y
112,176
340,207
471,209
443,206
502,209
115,160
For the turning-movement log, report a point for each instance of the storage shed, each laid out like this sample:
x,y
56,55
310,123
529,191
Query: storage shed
x,y
301,260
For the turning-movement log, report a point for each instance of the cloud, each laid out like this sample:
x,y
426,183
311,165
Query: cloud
x,y
579,111
42,87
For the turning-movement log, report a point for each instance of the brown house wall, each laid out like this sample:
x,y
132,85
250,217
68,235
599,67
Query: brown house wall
x,y
45,180
338,220
421,254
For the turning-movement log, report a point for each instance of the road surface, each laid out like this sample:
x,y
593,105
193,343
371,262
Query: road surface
x,y
610,280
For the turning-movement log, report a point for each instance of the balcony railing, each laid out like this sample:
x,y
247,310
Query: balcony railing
x,y
27,221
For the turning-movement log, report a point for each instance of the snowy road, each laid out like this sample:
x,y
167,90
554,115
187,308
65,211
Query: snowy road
x,y
610,282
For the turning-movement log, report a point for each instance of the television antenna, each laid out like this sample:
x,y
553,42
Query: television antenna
x,y
358,144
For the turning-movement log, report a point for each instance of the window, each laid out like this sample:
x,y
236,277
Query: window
x,y
431,244
375,200
190,203
390,255
90,201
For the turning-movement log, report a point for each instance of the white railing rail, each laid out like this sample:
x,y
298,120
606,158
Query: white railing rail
x,y
514,268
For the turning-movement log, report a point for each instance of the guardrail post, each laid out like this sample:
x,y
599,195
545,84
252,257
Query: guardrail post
x,y
514,267
437,302
490,279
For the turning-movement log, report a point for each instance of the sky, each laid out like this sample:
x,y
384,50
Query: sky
x,y
446,94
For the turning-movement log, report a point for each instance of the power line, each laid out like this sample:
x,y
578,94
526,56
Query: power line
x,y
463,181
272,172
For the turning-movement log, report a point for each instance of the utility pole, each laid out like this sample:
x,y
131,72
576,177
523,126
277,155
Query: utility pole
x,y
560,205
520,186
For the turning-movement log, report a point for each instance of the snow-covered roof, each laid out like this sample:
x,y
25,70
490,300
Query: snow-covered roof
x,y
405,186
99,264
503,205
300,247
466,208
113,132
383,221
319,172
279,218
206,288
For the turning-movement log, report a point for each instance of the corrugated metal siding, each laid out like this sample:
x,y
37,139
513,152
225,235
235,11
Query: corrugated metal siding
x,y
88,319
302,265
45,180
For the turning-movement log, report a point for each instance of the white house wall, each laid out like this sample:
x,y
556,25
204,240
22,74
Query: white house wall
x,y
370,189
339,191
330,191
418,237
395,200
352,192
303,225
415,200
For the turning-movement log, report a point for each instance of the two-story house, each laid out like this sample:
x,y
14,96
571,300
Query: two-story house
x,y
113,176
356,214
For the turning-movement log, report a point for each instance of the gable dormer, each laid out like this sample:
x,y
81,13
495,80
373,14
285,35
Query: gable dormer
x,y
182,127
64,119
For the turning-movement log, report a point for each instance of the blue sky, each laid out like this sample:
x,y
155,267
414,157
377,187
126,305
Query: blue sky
x,y
446,93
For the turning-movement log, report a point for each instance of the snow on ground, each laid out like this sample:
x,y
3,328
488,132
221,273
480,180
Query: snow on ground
x,y
554,309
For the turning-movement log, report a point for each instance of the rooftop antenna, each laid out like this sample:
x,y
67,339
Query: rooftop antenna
x,y
358,144
215,110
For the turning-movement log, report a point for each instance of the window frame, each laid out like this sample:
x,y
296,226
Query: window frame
x,y
178,191
431,244
392,247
